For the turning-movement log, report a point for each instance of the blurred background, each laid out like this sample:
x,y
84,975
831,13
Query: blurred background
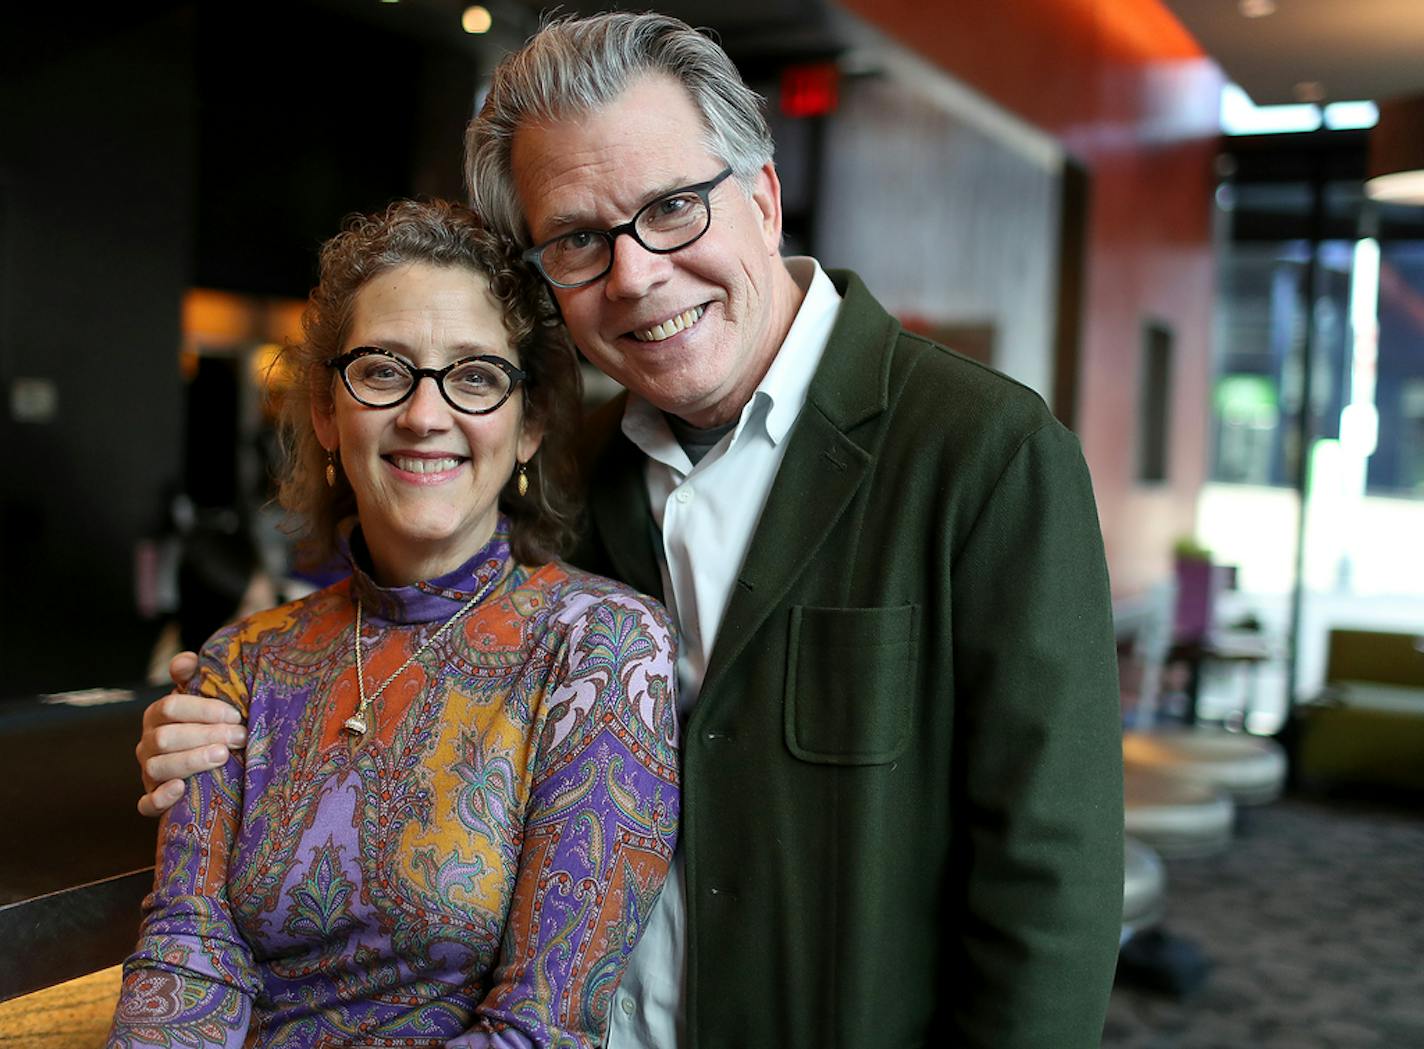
x,y
1195,227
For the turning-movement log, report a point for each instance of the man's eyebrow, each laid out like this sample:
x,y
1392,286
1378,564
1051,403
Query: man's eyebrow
x,y
557,225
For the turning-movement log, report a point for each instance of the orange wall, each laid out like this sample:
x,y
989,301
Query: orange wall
x,y
1130,96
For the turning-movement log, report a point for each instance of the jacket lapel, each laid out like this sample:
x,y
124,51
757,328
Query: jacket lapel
x,y
623,518
823,468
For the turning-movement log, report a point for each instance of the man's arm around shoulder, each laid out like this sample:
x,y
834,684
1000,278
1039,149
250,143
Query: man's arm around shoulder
x,y
182,736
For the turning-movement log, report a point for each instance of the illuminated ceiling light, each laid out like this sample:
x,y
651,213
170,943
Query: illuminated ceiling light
x,y
1256,8
476,19
1396,170
1241,116
1350,116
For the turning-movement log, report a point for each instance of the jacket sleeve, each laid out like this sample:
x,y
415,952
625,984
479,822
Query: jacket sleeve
x,y
1038,745
598,833
191,979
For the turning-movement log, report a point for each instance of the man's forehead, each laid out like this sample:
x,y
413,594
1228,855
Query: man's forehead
x,y
609,160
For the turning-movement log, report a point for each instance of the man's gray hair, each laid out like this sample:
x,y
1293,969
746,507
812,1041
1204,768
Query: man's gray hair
x,y
578,64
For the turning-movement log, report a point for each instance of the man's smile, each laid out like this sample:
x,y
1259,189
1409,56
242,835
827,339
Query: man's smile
x,y
670,327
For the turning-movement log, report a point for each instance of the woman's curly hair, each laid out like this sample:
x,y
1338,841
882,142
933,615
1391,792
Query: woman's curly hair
x,y
439,233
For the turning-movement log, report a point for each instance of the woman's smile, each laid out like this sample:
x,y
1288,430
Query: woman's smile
x,y
425,467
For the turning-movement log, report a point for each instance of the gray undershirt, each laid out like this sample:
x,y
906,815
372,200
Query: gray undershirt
x,y
695,440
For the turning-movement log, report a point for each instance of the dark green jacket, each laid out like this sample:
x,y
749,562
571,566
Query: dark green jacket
x,y
902,784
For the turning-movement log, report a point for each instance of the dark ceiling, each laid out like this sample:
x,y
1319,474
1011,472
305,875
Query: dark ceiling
x,y
306,111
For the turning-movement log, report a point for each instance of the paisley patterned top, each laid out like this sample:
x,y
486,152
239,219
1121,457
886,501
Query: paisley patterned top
x,y
473,871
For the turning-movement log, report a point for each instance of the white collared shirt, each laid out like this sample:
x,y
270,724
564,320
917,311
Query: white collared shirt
x,y
706,514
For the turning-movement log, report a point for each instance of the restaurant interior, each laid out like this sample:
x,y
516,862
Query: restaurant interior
x,y
1196,229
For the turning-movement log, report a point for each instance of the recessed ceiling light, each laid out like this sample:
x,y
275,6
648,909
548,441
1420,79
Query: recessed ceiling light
x,y
476,20
1256,8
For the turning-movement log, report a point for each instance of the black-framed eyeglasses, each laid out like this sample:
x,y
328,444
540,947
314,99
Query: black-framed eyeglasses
x,y
667,224
378,378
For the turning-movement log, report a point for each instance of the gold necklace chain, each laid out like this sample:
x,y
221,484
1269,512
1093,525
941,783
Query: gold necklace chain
x,y
356,724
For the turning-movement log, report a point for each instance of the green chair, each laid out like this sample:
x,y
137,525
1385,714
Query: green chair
x,y
1367,727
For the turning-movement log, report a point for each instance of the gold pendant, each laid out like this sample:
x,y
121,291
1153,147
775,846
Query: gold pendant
x,y
355,724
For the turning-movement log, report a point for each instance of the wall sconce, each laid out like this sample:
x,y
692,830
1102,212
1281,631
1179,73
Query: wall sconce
x,y
1396,169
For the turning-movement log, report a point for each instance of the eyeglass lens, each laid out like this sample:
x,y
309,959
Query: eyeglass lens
x,y
663,225
380,381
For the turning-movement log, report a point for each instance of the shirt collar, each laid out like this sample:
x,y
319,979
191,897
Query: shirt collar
x,y
788,381
784,387
429,599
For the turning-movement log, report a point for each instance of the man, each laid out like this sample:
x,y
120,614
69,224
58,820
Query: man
x,y
902,787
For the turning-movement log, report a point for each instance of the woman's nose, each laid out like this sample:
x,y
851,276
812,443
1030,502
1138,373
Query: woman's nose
x,y
425,410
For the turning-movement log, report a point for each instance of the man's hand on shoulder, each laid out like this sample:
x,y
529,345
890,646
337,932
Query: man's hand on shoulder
x,y
182,735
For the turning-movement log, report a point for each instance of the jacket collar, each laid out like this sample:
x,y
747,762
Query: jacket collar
x,y
852,384
824,466
620,514
827,460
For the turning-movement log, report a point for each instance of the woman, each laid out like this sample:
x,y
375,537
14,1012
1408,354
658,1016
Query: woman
x,y
459,797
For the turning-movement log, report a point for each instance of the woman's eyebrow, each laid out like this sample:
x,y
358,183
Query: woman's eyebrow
x,y
454,351
461,350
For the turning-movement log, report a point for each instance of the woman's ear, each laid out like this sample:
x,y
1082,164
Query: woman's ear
x,y
324,423
531,435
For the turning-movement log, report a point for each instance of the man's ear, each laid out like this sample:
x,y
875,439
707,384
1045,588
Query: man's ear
x,y
766,195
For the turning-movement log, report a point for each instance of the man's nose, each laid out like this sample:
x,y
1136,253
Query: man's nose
x,y
635,270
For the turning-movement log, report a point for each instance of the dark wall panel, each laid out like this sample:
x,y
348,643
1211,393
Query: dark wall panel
x,y
98,137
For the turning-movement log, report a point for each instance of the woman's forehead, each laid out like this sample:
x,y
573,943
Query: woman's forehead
x,y
423,308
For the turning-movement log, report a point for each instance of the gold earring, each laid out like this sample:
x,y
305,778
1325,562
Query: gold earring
x,y
331,469
521,483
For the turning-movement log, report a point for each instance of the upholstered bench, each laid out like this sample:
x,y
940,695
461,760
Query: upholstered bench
x,y
1175,817
1249,769
1144,888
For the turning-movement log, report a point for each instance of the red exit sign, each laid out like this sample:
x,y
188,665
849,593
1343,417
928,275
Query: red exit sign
x,y
810,90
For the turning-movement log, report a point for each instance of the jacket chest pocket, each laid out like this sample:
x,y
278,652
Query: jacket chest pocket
x,y
849,681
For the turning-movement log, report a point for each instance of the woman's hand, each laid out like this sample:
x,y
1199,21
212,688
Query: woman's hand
x,y
182,735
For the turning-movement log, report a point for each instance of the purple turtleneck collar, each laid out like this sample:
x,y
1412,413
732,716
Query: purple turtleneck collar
x,y
431,599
